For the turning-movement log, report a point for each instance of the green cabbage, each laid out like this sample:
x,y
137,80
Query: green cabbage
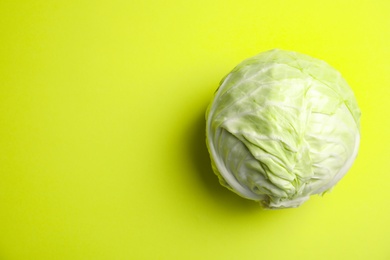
x,y
282,126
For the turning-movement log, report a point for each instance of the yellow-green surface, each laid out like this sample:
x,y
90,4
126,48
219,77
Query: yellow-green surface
x,y
102,151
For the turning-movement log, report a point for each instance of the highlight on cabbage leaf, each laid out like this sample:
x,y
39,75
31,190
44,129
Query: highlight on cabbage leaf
x,y
281,127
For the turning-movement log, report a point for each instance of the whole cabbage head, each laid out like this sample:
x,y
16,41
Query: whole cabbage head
x,y
282,126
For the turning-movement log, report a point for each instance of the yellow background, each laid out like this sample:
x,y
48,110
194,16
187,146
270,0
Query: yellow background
x,y
102,152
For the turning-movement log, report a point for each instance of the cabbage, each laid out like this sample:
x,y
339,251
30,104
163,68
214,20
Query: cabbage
x,y
282,126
